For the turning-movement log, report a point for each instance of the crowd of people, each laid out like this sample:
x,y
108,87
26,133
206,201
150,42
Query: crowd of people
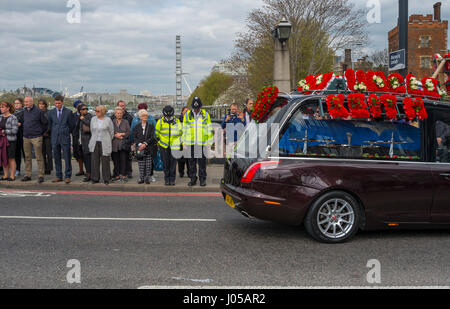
x,y
55,135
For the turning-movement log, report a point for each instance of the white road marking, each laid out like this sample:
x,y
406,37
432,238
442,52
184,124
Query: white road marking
x,y
25,194
193,280
169,287
106,219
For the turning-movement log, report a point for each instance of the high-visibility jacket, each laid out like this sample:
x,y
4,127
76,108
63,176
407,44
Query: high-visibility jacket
x,y
197,131
169,133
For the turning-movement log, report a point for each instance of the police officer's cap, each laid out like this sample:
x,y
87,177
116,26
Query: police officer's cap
x,y
197,103
168,111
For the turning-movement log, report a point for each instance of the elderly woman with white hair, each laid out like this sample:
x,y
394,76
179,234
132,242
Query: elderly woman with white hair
x,y
144,141
100,145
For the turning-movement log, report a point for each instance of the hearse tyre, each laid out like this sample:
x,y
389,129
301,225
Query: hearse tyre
x,y
333,218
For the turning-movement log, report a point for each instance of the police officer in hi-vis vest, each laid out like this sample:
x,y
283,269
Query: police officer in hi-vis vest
x,y
197,136
168,132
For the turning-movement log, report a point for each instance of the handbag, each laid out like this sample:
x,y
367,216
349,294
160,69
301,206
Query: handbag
x,y
159,165
125,145
140,155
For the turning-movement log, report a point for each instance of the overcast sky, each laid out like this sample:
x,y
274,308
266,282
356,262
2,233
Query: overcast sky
x,y
130,44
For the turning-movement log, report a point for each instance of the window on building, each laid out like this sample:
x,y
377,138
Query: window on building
x,y
425,41
425,62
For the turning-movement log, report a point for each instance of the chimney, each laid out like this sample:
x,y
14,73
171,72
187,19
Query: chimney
x,y
437,11
348,56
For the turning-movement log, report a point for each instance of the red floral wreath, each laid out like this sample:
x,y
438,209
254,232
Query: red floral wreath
x,y
372,85
433,93
336,106
416,92
390,105
361,77
357,105
326,78
264,102
415,108
401,88
375,105
311,82
351,79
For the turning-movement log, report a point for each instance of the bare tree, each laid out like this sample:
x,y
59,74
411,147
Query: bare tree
x,y
380,59
319,29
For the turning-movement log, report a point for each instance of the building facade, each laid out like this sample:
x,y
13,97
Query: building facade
x,y
427,36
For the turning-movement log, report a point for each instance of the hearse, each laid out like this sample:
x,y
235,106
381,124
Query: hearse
x,y
338,176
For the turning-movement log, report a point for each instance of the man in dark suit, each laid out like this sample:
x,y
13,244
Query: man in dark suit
x,y
61,123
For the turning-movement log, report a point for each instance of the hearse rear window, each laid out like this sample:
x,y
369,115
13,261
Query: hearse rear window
x,y
309,135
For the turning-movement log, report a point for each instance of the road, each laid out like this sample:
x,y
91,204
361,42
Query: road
x,y
178,240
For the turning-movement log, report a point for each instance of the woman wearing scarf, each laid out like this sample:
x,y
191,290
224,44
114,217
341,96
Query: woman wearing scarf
x,y
8,138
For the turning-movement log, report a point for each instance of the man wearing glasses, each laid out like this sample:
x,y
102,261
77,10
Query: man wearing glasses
x,y
82,136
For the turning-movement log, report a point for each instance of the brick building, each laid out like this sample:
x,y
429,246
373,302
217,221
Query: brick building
x,y
427,36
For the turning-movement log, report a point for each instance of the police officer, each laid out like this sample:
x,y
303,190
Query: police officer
x,y
168,132
197,136
183,163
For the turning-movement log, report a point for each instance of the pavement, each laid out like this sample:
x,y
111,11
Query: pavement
x,y
152,241
214,171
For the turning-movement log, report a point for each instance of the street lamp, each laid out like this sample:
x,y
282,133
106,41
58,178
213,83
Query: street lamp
x,y
283,31
281,72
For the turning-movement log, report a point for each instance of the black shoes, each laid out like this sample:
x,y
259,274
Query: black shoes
x,y
192,183
26,179
202,183
40,180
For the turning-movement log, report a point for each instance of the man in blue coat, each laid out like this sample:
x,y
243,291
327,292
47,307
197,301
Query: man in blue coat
x,y
61,124
233,126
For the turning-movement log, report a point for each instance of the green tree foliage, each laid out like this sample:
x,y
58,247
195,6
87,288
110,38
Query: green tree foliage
x,y
211,88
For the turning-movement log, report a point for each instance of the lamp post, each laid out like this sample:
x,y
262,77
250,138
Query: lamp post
x,y
282,69
403,31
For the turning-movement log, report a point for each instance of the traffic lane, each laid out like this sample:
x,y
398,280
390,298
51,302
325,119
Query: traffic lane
x,y
233,251
62,205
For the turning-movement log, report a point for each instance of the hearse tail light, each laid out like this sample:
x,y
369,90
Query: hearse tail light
x,y
251,171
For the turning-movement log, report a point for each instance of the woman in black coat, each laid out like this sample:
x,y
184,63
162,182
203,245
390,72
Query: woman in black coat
x,y
82,135
144,139
47,151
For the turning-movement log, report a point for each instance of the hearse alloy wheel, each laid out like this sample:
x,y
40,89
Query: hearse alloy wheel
x,y
333,218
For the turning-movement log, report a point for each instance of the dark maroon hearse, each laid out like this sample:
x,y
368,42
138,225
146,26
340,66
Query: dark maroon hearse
x,y
339,176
